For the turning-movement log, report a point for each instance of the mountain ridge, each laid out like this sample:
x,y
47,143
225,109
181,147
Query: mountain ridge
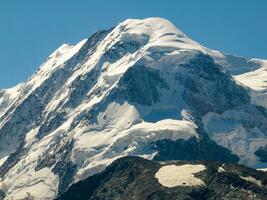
x,y
136,178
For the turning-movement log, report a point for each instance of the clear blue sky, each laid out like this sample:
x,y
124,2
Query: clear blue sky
x,y
30,30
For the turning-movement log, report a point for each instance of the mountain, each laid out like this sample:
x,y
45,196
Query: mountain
x,y
137,178
142,88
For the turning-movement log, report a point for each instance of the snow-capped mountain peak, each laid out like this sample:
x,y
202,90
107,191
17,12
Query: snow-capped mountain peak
x,y
142,88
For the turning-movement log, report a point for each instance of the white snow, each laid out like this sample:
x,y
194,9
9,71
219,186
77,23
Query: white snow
x,y
105,146
252,180
2,160
23,180
10,96
160,34
183,175
55,60
221,169
256,79
226,130
16,95
263,169
40,185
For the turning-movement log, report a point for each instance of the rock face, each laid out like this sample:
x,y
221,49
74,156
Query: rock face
x,y
137,178
142,88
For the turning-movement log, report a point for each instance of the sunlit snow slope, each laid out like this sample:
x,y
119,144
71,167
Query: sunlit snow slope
x,y
142,88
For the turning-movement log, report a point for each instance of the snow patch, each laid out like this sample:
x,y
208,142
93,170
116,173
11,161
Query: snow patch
x,y
2,160
183,175
256,79
263,169
252,180
221,169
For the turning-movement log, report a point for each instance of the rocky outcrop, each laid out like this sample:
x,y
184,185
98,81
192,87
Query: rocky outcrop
x,y
134,178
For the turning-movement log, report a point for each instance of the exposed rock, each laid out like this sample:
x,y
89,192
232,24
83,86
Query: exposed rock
x,y
134,178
